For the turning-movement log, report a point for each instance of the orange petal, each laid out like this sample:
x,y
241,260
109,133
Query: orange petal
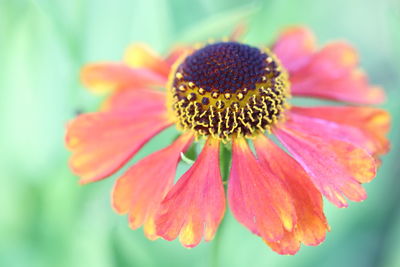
x,y
142,188
177,52
196,204
332,73
141,56
238,32
329,129
140,101
311,224
294,47
336,167
374,123
102,142
258,199
287,245
106,77
332,61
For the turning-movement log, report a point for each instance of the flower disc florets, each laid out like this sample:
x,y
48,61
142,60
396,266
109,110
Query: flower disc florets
x,y
226,89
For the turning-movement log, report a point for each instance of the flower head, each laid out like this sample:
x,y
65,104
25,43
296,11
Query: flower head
x,y
231,94
228,89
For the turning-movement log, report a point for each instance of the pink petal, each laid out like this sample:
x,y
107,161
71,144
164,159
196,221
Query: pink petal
x,y
141,189
196,204
332,74
294,47
103,142
374,123
311,224
107,77
136,101
335,166
258,199
328,129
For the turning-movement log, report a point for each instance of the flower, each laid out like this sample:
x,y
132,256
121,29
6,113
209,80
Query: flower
x,y
231,94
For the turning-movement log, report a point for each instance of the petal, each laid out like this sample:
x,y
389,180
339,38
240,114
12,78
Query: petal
x,y
258,199
102,142
106,77
139,101
287,245
332,61
178,52
336,167
329,129
311,224
196,204
295,47
141,56
374,123
141,189
238,32
332,73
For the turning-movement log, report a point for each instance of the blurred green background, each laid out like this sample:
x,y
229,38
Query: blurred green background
x,y
47,219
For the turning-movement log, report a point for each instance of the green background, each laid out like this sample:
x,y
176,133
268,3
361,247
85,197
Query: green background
x,y
47,219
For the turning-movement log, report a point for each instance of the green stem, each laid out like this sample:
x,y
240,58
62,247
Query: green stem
x,y
217,245
225,162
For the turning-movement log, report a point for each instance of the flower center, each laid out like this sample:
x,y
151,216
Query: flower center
x,y
226,89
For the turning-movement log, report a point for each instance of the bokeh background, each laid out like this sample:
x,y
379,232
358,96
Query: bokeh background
x,y
47,219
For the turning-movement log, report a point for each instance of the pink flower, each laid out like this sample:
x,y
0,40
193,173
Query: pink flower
x,y
231,94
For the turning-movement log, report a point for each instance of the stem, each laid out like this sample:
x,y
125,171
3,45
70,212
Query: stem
x,y
217,245
225,162
225,156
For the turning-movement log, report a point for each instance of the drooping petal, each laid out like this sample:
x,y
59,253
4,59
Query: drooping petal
x,y
106,77
311,224
258,199
141,189
102,142
294,47
141,56
196,204
287,245
140,101
374,123
329,129
332,74
336,167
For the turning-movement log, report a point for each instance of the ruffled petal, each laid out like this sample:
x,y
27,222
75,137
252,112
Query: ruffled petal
x,y
329,129
374,123
141,189
138,101
294,47
335,166
311,224
196,204
141,56
102,142
258,199
107,77
332,74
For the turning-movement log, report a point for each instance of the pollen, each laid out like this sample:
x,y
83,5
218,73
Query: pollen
x,y
228,89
